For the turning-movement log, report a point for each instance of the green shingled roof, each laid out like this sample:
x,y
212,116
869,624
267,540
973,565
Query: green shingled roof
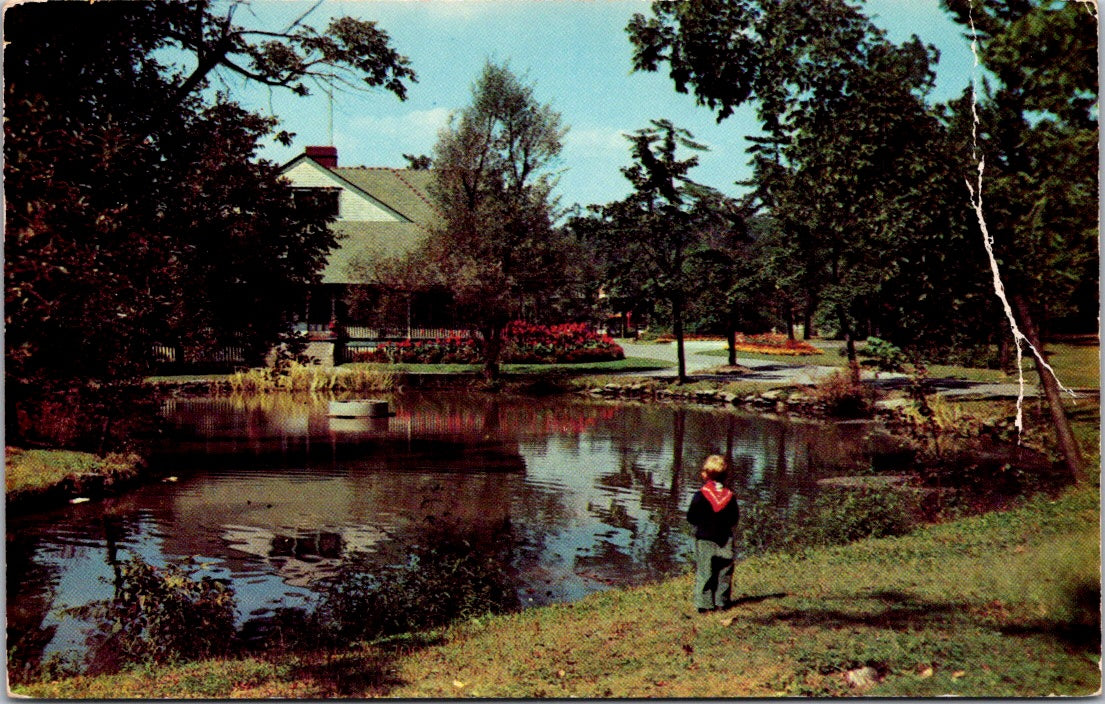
x,y
367,241
403,191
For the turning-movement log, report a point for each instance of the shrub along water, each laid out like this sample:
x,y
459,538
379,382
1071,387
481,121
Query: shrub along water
x,y
834,516
844,396
296,377
443,577
160,615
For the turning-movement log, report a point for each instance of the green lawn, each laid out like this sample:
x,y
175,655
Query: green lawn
x,y
1078,366
29,472
828,358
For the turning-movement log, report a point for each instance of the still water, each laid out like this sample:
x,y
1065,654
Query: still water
x,y
272,494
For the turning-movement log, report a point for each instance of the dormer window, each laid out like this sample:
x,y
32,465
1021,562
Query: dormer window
x,y
326,198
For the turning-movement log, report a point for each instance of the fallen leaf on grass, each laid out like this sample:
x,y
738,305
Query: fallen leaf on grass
x,y
959,673
459,685
728,620
926,671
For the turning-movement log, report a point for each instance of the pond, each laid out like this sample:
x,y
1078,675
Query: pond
x,y
272,495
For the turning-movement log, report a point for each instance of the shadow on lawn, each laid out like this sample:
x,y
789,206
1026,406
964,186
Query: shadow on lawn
x,y
901,612
368,674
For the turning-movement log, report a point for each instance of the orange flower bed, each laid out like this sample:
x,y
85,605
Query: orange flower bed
x,y
774,343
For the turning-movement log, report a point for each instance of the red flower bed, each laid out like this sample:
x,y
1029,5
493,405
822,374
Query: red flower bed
x,y
524,343
448,350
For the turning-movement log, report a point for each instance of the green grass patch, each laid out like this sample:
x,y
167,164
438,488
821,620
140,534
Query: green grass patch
x,y
989,606
28,472
1078,366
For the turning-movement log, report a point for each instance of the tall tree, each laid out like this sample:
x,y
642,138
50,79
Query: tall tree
x,y
649,238
136,210
845,119
496,249
1036,141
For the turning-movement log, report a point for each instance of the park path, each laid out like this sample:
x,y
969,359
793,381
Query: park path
x,y
699,366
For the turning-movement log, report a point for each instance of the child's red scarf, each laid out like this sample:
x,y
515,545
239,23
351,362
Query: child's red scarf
x,y
717,495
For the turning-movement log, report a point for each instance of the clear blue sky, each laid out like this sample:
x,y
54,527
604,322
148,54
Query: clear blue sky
x,y
576,55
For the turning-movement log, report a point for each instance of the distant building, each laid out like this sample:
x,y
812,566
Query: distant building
x,y
381,212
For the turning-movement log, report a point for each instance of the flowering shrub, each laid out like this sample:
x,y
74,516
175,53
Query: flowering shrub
x,y
569,343
449,350
774,343
524,343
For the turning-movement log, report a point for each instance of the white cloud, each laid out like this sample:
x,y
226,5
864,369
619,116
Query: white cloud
x,y
417,122
603,139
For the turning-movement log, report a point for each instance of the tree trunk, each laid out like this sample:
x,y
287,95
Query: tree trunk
x,y
850,347
1068,444
1005,353
731,337
492,349
807,318
677,330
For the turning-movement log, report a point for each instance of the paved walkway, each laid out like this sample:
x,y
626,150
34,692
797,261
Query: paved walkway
x,y
699,366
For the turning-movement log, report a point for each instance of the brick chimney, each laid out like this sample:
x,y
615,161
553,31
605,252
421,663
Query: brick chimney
x,y
325,156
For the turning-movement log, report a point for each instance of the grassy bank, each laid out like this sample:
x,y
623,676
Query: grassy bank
x,y
39,475
992,606
386,377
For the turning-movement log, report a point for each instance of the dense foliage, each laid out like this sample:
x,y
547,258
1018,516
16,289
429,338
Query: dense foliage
x,y
861,177
160,615
136,210
496,250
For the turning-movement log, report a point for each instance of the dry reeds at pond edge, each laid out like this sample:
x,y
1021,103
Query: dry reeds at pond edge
x,y
303,378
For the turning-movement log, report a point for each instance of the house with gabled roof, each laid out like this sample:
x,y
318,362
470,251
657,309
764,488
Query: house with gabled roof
x,y
380,212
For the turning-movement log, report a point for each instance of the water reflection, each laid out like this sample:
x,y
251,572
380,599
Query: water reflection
x,y
274,495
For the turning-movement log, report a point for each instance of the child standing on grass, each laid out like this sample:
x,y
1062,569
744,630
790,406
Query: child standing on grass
x,y
713,513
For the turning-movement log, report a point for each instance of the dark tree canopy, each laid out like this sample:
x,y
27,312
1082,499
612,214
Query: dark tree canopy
x,y
846,159
1036,140
136,209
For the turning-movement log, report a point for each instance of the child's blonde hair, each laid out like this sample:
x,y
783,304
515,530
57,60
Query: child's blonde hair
x,y
715,468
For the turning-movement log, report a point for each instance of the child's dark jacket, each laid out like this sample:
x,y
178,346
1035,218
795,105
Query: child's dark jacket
x,y
713,520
